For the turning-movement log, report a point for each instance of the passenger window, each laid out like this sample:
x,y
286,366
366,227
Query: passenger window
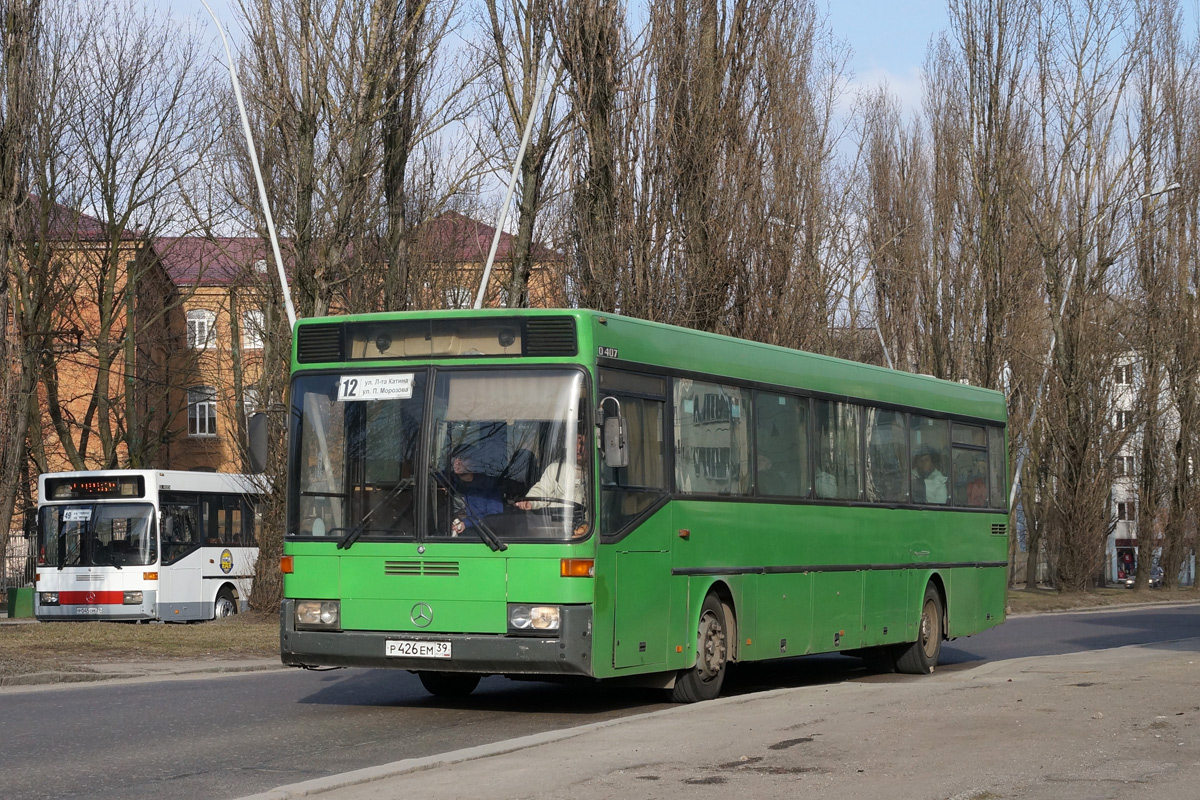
x,y
712,446
929,443
970,465
837,450
180,526
628,492
781,445
997,469
887,459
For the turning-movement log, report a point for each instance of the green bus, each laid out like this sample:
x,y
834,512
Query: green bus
x,y
549,493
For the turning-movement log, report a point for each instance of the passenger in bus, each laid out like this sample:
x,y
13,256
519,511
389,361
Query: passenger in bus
x,y
561,483
479,494
928,482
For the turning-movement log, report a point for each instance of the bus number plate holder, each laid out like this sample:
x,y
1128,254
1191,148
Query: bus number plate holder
x,y
408,648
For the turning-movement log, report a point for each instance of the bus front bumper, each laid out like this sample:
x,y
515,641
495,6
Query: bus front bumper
x,y
569,653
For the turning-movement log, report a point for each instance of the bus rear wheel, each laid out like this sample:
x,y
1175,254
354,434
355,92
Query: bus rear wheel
x,y
449,684
921,656
703,681
226,605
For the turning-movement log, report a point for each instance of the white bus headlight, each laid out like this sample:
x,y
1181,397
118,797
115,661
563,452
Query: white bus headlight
x,y
49,598
133,598
320,614
533,619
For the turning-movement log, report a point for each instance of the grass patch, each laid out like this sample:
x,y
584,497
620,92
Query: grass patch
x,y
1033,601
70,646
73,646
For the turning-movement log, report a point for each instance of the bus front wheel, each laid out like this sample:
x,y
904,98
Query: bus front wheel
x,y
449,684
226,605
921,656
703,680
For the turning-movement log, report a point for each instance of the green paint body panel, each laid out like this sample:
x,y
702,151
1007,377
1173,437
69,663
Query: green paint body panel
x,y
799,577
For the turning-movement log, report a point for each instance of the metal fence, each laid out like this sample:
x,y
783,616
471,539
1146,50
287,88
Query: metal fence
x,y
19,561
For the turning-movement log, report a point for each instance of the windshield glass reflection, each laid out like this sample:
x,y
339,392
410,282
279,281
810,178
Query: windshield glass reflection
x,y
506,457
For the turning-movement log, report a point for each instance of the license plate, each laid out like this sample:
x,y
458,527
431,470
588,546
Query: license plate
x,y
408,648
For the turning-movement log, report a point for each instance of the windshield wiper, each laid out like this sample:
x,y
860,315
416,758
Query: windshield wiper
x,y
486,534
358,530
111,558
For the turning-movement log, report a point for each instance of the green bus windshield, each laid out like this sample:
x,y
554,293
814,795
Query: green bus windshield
x,y
502,456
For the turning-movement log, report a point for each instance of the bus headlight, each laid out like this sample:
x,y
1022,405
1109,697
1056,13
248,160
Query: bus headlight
x,y
319,614
133,598
533,619
49,598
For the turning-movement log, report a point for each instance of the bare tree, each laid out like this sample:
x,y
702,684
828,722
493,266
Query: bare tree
x,y
1162,330
18,101
518,52
116,140
1083,73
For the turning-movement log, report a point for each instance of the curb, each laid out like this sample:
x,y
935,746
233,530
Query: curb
x,y
132,672
395,769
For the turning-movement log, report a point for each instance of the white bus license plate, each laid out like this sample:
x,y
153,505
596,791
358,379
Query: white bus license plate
x,y
409,649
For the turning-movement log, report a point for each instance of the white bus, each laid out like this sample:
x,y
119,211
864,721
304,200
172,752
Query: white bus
x,y
145,545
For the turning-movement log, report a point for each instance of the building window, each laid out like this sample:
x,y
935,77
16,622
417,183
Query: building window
x,y
253,327
202,411
1124,511
1125,466
458,297
1125,374
201,329
1123,419
249,404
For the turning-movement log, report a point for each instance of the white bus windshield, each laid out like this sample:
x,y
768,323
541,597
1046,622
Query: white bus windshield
x,y
96,535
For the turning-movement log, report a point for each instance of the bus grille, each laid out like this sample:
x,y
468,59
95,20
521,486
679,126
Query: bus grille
x,y
442,568
1000,529
550,336
319,343
89,578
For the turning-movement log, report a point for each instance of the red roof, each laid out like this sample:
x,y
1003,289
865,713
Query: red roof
x,y
69,224
200,261
451,238
458,238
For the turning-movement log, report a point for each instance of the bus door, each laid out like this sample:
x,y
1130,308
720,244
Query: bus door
x,y
633,516
228,553
180,596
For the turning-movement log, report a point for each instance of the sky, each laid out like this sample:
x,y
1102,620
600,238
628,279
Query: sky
x,y
889,39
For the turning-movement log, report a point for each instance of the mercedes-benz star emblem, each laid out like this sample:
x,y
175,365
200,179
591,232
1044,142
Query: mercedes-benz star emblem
x,y
421,615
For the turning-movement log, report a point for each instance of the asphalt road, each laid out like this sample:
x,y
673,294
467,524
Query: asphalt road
x,y
247,733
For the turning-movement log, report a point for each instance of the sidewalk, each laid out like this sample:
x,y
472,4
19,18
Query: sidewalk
x,y
1116,723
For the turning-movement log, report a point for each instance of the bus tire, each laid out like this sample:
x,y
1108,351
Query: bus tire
x,y
921,656
449,684
703,680
226,604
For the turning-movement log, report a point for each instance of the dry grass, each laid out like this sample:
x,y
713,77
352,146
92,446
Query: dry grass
x,y
76,646
71,646
1036,601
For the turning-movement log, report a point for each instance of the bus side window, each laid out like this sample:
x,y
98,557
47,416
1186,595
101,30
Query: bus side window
x,y
929,448
887,459
629,491
781,423
997,469
837,450
180,532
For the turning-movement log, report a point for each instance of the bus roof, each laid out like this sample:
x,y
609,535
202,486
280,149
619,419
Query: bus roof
x,y
625,342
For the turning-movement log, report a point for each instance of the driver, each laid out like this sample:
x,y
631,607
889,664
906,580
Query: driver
x,y
561,482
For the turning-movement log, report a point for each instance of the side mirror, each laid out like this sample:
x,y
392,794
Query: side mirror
x,y
616,449
256,429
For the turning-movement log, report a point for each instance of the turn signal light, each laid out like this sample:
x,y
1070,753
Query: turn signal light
x,y
287,564
149,576
578,568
